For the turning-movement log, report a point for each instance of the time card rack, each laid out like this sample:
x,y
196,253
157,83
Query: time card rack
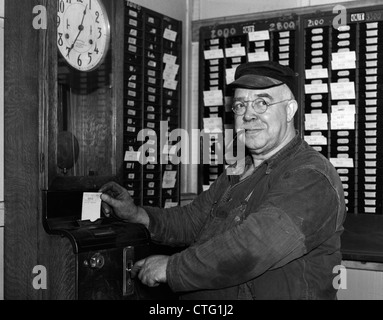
x,y
342,80
152,100
338,57
222,49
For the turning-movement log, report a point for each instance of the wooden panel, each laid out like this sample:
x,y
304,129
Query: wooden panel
x,y
52,251
61,267
28,86
1,100
21,138
1,150
30,120
1,263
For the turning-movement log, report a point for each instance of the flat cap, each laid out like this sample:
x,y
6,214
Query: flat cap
x,y
264,75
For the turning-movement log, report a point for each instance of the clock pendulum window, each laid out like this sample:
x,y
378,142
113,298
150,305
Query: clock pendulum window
x,y
87,112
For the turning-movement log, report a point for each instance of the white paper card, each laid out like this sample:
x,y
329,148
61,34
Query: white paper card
x,y
342,162
91,206
235,52
372,25
170,84
343,64
316,121
213,54
213,98
170,71
316,88
316,73
169,179
284,34
236,60
170,205
343,108
132,156
258,56
170,35
168,58
259,35
342,90
259,44
348,55
372,40
371,33
342,121
315,140
284,41
212,124
284,49
230,73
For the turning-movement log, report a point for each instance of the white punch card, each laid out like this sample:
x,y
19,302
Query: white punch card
x,y
91,206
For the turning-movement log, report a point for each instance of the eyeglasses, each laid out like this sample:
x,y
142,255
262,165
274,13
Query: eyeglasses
x,y
259,106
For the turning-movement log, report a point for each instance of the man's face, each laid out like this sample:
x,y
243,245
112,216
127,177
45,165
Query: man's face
x,y
267,131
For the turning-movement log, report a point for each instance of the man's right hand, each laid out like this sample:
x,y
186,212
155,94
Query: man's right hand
x,y
117,200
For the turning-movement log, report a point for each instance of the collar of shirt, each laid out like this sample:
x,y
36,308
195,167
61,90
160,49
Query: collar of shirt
x,y
273,161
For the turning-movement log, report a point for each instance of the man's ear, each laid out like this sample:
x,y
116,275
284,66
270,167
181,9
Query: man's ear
x,y
291,109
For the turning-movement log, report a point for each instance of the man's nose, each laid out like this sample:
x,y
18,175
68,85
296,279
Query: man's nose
x,y
250,114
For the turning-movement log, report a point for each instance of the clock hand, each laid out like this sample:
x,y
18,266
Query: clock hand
x,y
81,28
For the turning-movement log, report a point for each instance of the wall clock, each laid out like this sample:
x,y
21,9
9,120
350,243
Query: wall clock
x,y
83,33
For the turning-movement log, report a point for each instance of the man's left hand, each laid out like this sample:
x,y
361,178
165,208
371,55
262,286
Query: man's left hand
x,y
152,270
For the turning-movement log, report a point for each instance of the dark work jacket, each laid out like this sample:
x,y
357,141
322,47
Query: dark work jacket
x,y
273,235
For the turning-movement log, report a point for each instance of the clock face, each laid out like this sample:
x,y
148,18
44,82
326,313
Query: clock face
x,y
83,33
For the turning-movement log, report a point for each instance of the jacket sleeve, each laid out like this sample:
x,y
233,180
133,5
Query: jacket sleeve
x,y
293,220
179,226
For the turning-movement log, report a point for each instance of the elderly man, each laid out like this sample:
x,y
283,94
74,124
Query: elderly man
x,y
272,232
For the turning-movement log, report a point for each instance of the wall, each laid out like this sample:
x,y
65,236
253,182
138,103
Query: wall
x,y
364,281
173,8
208,9
2,149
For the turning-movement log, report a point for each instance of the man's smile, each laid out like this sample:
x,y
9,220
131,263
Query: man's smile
x,y
253,130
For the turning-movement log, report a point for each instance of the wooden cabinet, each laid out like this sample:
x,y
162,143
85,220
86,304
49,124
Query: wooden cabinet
x,y
32,126
63,134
